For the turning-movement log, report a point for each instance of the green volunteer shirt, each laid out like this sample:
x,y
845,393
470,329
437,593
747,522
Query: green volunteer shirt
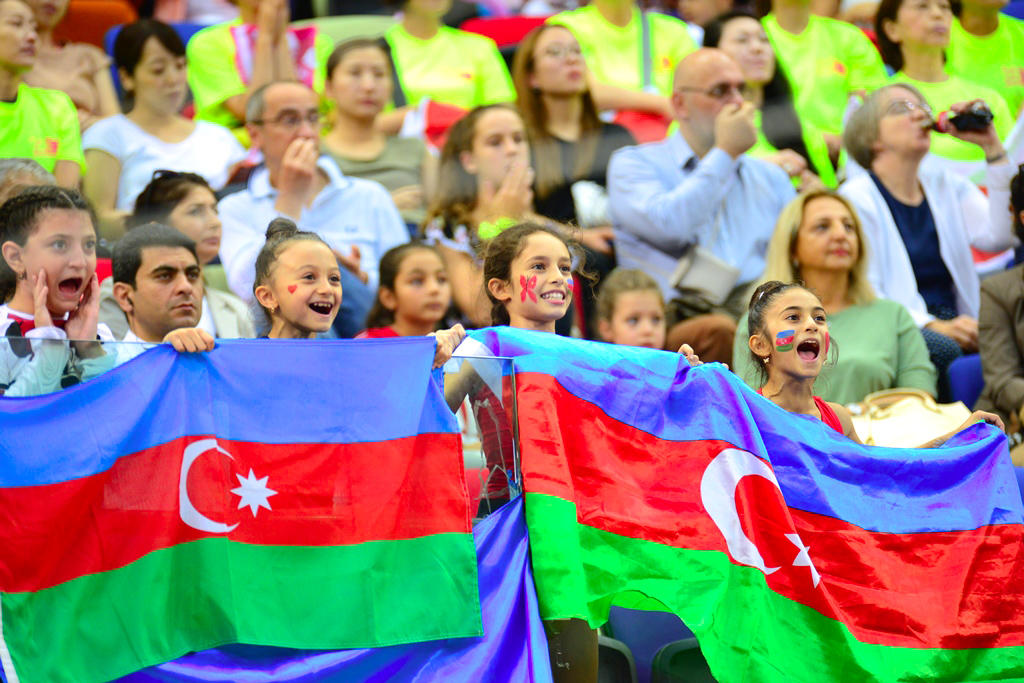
x,y
940,96
214,77
454,67
995,60
825,63
41,124
615,54
816,149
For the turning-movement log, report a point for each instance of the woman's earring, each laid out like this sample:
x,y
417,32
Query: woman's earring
x,y
23,276
766,359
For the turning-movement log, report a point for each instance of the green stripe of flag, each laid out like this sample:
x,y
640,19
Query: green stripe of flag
x,y
213,591
741,623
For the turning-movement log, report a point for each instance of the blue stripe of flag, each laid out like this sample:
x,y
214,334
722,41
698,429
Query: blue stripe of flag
x,y
964,485
255,390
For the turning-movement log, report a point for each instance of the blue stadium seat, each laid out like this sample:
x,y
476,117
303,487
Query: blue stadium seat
x,y
186,31
965,379
645,633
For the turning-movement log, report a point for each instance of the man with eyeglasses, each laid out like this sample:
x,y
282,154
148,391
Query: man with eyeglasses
x,y
697,194
355,217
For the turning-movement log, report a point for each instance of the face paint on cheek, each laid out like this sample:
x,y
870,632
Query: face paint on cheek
x,y
568,282
784,340
528,287
292,288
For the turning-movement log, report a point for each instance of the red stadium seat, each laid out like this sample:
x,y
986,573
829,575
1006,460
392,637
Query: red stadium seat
x,y
505,31
88,21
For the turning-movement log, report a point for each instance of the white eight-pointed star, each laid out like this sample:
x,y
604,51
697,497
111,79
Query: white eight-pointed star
x,y
253,492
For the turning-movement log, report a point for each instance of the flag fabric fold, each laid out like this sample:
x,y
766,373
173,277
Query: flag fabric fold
x,y
791,552
258,493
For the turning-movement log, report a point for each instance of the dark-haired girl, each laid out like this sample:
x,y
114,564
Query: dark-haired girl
x,y
298,286
153,135
795,146
789,342
413,293
360,85
49,292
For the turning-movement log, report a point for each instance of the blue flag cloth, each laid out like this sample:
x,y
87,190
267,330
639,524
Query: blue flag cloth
x,y
513,647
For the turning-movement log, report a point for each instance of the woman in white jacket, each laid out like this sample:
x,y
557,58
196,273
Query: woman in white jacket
x,y
920,222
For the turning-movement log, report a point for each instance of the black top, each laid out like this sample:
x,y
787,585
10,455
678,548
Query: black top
x,y
559,205
917,228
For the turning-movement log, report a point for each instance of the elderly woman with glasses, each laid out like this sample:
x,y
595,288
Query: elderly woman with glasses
x,y
123,151
920,222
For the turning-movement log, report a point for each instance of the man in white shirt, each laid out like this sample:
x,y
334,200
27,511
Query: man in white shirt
x,y
355,217
159,285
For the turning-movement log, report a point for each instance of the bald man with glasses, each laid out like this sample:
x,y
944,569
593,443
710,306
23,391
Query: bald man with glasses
x,y
697,188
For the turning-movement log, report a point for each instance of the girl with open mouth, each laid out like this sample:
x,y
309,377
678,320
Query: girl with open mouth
x,y
789,343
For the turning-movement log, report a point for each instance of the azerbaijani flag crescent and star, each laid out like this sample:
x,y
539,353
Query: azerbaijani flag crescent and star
x,y
793,553
274,493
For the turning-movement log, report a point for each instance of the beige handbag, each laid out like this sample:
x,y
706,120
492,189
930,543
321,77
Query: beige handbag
x,y
905,418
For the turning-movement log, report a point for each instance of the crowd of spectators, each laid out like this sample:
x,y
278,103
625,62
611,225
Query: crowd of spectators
x,y
711,146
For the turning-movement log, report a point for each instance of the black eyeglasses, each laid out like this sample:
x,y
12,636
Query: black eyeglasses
x,y
292,120
718,91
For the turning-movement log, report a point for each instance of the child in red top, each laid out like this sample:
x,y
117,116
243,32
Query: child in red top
x,y
412,296
789,342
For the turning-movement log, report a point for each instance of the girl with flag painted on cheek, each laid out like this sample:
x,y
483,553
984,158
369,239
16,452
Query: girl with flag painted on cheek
x,y
789,343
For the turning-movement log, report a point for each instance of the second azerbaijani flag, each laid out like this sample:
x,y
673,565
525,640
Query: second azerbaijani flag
x,y
791,552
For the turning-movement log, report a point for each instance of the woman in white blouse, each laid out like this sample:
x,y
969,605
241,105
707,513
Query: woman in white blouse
x,y
150,57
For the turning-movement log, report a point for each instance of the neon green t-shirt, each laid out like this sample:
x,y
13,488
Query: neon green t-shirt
x,y
817,150
615,54
995,60
454,67
940,96
213,75
41,124
826,63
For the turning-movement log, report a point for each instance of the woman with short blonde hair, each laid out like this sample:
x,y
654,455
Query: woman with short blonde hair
x,y
818,241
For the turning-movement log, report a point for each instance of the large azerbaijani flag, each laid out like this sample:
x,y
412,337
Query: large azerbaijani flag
x,y
792,553
275,493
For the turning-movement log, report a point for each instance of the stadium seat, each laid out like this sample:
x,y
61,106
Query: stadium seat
x,y
681,662
965,379
186,31
1015,9
505,31
614,661
645,632
340,29
87,21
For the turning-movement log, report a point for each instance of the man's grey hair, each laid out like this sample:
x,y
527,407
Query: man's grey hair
x,y
12,172
256,106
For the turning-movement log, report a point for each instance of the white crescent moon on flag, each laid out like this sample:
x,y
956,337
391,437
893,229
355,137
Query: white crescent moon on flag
x,y
188,512
718,495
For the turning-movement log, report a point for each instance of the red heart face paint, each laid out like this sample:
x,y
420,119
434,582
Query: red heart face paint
x,y
784,340
528,287
292,288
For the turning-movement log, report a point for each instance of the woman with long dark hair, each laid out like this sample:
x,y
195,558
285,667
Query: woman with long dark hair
x,y
796,146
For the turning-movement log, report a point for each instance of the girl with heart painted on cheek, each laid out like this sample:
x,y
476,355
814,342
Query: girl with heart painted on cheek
x,y
49,292
789,343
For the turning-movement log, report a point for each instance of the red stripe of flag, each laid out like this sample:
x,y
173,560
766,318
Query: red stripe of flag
x,y
912,590
323,494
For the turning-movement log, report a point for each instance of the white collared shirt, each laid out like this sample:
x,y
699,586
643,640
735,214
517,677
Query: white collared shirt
x,y
347,212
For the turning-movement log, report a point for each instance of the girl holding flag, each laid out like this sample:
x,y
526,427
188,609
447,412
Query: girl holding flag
x,y
298,286
789,344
